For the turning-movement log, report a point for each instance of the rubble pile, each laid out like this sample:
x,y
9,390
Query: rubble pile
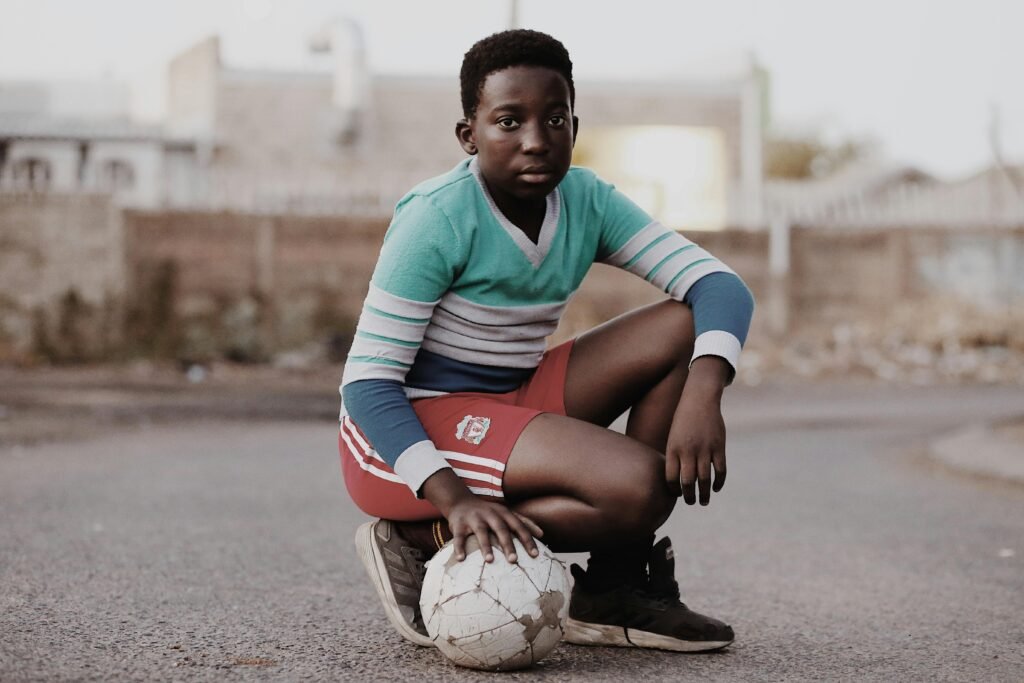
x,y
923,343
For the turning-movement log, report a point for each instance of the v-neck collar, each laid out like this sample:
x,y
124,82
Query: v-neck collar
x,y
534,252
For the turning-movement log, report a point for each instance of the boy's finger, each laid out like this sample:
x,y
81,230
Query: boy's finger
x,y
508,548
483,537
523,533
687,479
719,463
532,525
704,479
689,492
459,540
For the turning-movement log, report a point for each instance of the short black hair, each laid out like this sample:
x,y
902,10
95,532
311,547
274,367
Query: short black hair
x,y
518,47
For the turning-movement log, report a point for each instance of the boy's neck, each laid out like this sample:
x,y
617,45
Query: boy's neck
x,y
527,215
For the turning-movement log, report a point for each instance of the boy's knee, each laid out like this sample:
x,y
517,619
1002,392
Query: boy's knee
x,y
679,319
671,327
642,502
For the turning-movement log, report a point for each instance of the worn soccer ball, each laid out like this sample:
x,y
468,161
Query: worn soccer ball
x,y
498,615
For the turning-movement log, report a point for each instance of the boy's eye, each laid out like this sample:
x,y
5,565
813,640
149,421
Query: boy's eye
x,y
508,123
557,121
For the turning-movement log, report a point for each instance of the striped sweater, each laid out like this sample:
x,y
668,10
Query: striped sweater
x,y
462,300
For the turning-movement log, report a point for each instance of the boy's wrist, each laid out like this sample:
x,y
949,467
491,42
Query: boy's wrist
x,y
445,490
709,374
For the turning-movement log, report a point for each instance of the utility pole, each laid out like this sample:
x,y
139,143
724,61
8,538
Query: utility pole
x,y
995,141
513,14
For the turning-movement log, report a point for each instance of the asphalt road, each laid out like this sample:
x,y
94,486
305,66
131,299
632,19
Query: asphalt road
x,y
222,550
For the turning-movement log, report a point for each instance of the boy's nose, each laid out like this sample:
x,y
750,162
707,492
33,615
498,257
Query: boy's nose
x,y
534,140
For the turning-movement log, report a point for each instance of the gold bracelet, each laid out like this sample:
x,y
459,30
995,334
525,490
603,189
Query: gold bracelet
x,y
438,536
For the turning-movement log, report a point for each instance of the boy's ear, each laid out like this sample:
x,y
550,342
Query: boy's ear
x,y
575,129
464,132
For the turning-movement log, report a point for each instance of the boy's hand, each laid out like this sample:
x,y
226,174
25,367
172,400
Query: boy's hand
x,y
696,442
482,519
468,515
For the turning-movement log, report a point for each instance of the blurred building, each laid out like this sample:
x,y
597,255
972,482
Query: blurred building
x,y
77,137
342,139
335,139
875,194
338,139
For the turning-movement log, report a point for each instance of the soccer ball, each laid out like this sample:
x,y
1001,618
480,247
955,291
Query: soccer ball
x,y
498,615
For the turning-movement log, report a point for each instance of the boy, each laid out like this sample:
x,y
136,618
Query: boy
x,y
455,421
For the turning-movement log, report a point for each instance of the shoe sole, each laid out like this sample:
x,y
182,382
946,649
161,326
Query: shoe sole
x,y
583,633
373,561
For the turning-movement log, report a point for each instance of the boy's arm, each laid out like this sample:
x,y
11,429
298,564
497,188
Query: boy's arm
x,y
387,339
696,440
418,261
722,304
417,264
722,308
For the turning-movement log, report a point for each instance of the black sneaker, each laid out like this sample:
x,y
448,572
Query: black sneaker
x,y
396,569
646,615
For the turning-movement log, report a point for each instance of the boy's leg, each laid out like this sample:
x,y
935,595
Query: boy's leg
x,y
593,489
637,361
587,487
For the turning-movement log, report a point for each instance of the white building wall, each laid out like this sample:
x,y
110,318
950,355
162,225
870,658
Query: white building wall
x,y
62,156
185,178
145,158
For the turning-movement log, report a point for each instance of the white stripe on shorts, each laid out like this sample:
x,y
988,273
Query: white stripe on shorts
x,y
485,492
367,449
387,476
479,476
452,456
474,460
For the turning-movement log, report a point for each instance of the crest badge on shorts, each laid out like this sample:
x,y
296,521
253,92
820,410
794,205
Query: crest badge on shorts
x,y
473,429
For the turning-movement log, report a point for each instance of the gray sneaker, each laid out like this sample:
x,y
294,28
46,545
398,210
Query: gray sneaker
x,y
396,570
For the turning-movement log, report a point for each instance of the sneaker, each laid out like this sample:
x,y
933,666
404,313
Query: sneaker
x,y
396,569
647,615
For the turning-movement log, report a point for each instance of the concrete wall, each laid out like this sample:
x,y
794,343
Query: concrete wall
x,y
272,122
52,245
412,128
302,274
287,280
302,265
834,272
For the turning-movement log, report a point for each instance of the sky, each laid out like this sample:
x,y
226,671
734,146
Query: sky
x,y
924,79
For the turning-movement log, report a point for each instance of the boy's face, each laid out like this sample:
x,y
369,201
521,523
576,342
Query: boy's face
x,y
522,133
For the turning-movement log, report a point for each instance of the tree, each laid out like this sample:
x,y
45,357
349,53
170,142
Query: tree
x,y
802,158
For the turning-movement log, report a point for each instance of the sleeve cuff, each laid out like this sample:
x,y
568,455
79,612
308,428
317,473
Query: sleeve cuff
x,y
718,343
417,463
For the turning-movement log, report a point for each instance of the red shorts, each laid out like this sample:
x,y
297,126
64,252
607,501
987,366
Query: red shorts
x,y
475,432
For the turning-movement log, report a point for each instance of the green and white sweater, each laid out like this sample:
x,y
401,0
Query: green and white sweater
x,y
462,300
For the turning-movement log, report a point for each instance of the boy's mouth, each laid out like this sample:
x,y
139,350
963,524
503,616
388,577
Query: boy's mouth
x,y
536,174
